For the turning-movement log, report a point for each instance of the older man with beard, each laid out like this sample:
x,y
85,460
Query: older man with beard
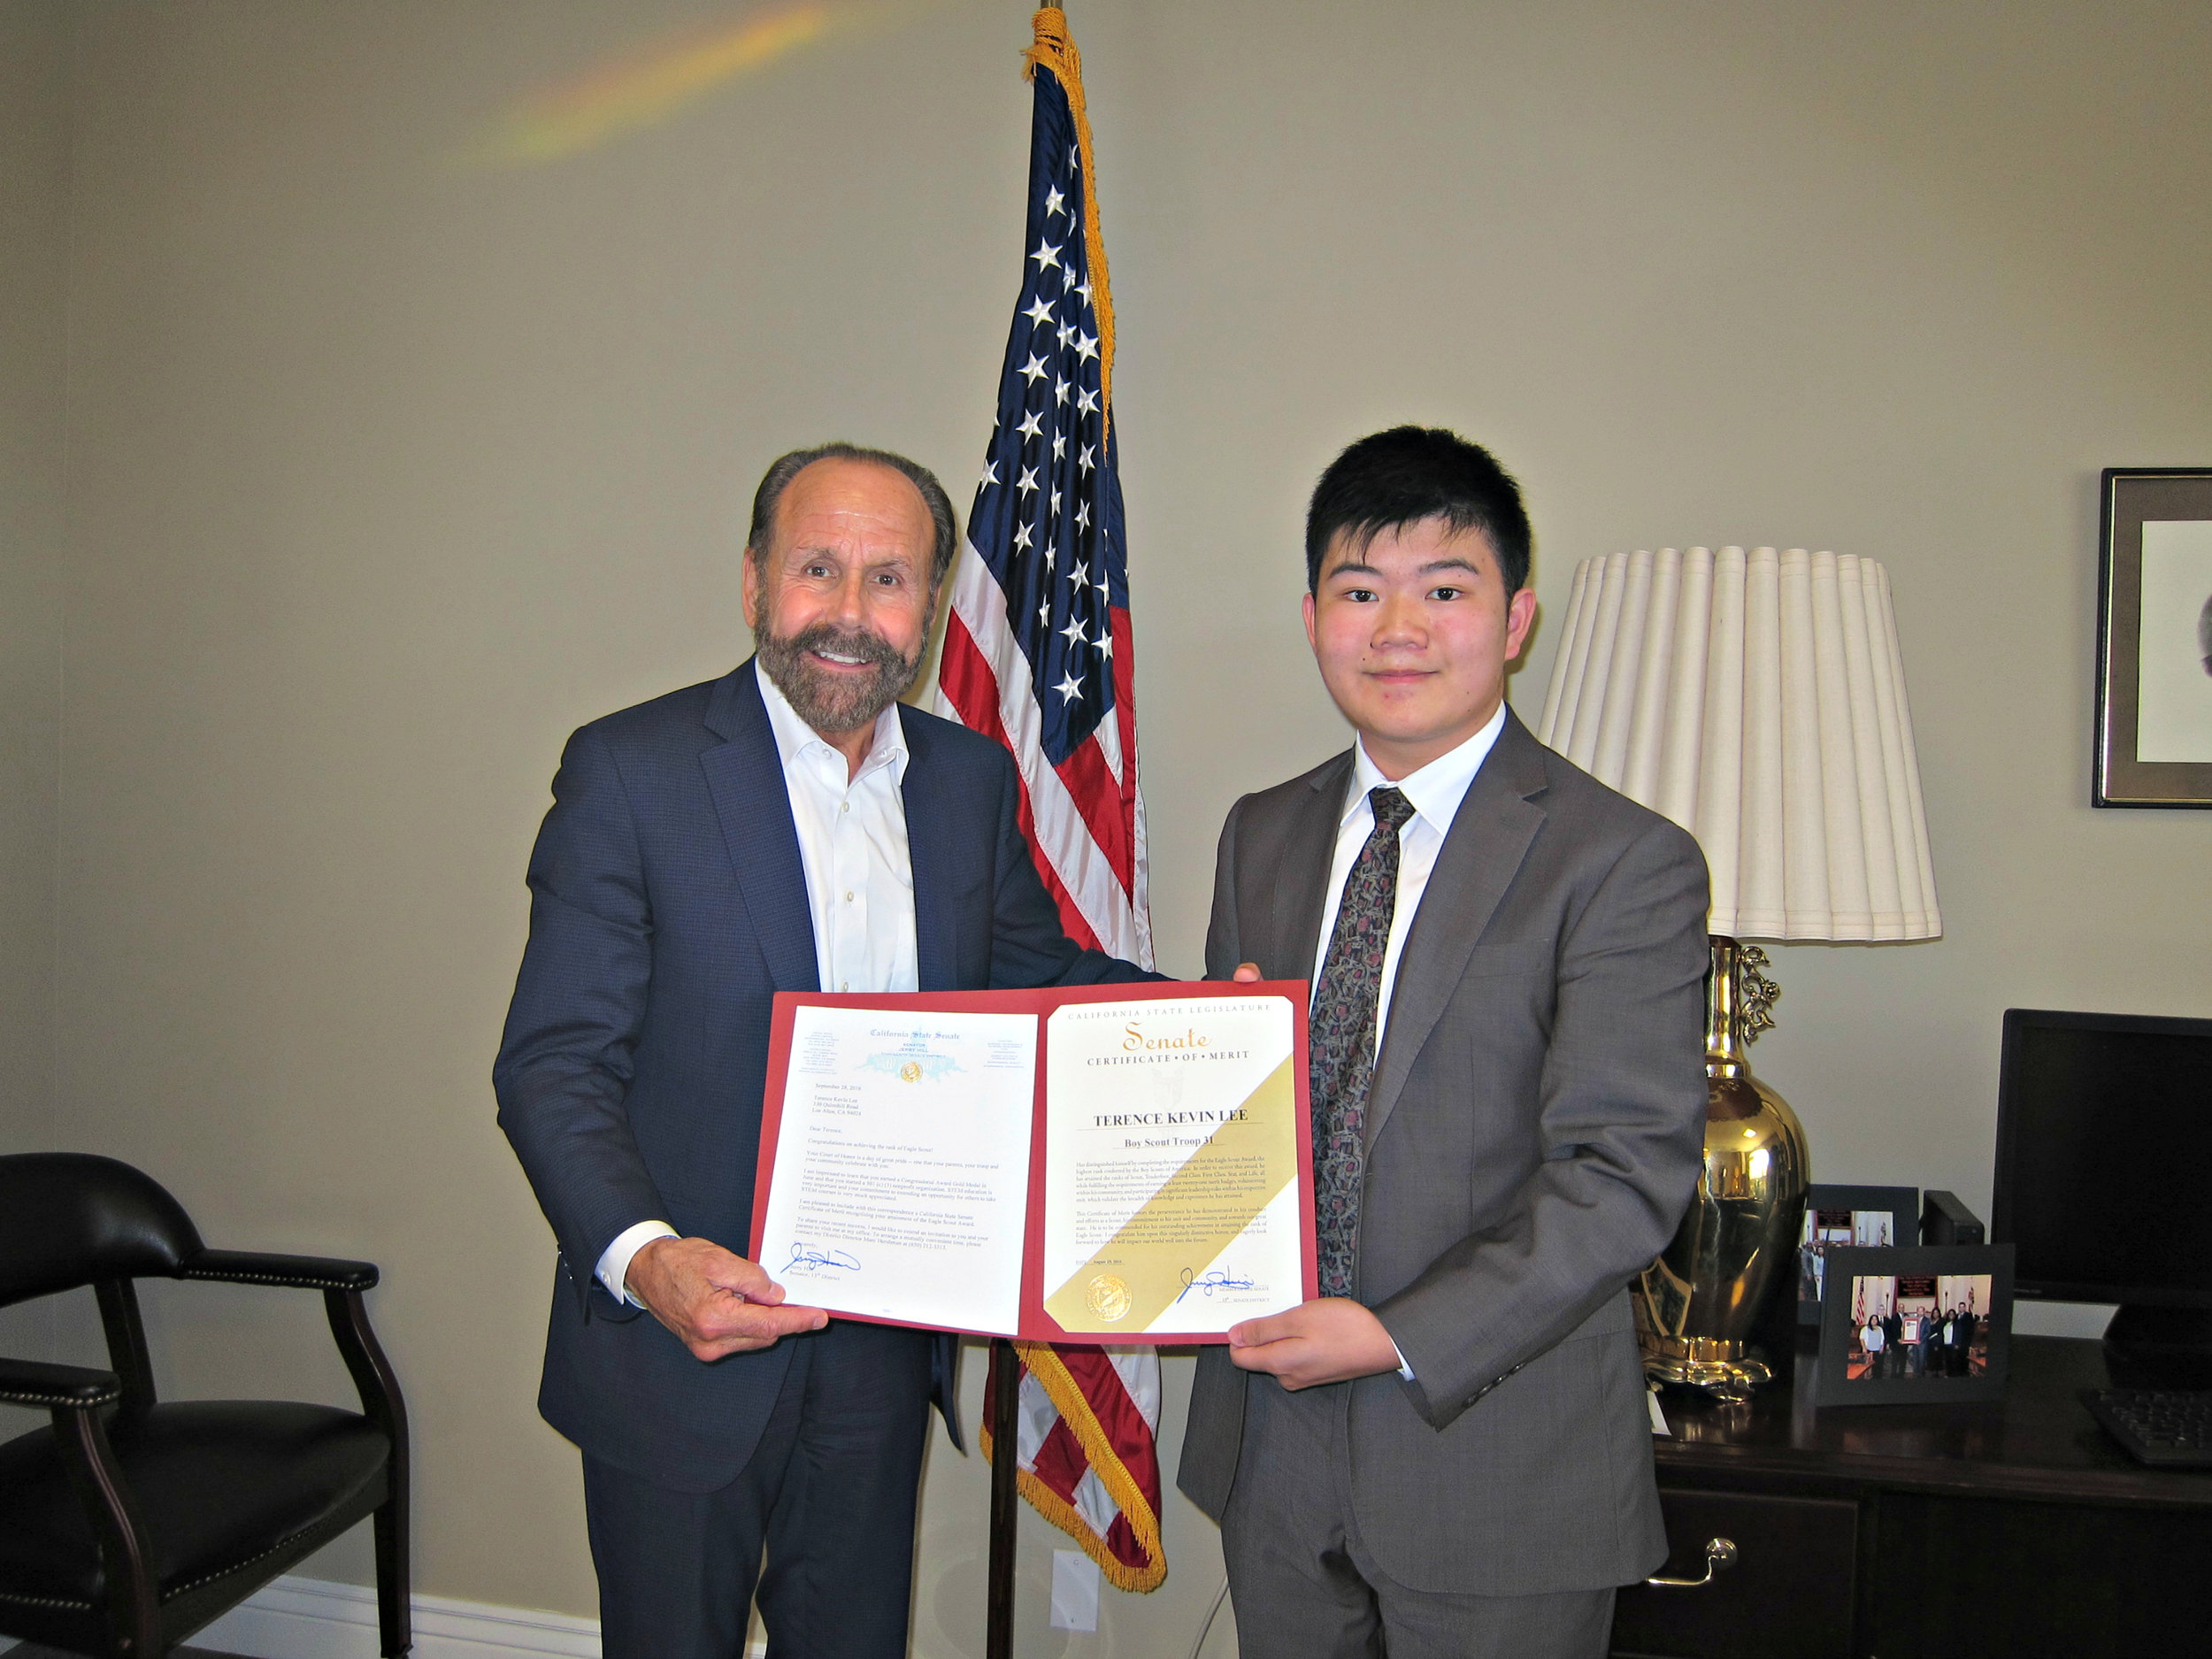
x,y
789,826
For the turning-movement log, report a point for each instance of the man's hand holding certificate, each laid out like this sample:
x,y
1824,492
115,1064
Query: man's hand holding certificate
x,y
1108,1164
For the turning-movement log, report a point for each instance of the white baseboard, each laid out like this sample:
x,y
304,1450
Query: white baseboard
x,y
308,1618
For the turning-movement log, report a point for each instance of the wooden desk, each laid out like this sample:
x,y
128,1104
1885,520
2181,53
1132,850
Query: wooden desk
x,y
2015,1527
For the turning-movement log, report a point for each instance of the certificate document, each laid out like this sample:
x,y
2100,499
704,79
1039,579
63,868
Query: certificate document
x,y
1112,1162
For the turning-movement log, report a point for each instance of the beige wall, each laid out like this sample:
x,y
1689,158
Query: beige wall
x,y
385,470
34,251
34,231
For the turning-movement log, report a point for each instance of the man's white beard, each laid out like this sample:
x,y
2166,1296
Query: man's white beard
x,y
827,703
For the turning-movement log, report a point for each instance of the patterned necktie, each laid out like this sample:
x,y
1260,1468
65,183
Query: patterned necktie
x,y
1340,1054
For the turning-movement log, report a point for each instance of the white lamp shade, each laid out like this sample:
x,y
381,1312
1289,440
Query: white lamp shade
x,y
1759,701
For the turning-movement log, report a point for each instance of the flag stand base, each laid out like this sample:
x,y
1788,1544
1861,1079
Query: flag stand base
x,y
1003,1406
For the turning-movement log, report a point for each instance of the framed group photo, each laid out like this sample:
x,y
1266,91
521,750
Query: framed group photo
x,y
2154,738
1837,1217
1918,1326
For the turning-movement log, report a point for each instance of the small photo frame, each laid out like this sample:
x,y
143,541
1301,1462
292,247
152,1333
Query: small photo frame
x,y
1873,1217
2154,736
1930,1326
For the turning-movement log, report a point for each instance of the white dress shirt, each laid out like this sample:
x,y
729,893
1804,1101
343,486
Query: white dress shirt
x,y
1435,791
859,882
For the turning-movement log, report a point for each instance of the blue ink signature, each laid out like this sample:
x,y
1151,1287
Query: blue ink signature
x,y
1220,1279
801,1256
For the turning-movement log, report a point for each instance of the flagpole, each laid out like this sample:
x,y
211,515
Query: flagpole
x,y
1005,1460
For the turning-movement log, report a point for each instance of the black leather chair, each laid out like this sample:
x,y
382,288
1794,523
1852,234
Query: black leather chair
x,y
129,1524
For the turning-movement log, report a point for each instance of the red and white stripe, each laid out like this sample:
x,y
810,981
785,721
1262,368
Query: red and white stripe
x,y
1085,818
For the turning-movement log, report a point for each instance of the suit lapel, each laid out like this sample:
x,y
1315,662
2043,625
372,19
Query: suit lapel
x,y
1301,884
745,779
933,829
1489,837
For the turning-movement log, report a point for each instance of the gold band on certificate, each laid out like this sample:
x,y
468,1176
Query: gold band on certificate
x,y
1172,1165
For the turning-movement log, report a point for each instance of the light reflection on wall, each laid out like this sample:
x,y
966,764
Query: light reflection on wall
x,y
642,88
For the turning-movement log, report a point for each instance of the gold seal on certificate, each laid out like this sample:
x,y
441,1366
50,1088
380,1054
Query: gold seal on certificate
x,y
1124,1162
1108,1298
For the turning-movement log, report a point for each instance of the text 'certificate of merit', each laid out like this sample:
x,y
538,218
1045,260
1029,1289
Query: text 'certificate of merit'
x,y
1109,1163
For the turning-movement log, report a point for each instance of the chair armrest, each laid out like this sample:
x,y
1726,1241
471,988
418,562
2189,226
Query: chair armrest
x,y
298,1273
29,1382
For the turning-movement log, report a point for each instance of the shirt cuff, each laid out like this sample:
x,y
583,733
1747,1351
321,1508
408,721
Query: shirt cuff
x,y
614,1265
1404,1370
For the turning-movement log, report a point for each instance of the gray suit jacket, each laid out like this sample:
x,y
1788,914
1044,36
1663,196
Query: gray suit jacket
x,y
1534,1132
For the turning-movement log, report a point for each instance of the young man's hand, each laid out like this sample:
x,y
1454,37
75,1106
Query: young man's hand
x,y
1332,1338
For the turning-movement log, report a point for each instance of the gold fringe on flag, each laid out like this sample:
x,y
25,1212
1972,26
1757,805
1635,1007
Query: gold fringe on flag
x,y
1046,1366
1055,51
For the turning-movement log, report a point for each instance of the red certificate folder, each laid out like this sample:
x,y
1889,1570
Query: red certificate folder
x,y
1137,1283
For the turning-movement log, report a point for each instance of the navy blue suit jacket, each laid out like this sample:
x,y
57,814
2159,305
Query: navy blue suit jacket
x,y
667,906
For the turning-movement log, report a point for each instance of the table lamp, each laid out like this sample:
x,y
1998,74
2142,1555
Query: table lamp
x,y
1757,699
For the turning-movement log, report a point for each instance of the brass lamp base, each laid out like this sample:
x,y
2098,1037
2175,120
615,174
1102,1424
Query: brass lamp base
x,y
1718,1366
1698,1305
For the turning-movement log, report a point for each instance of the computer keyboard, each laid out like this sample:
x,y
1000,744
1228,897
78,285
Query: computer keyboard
x,y
2172,1427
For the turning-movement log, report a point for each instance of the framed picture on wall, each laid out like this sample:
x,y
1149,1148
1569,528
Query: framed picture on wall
x,y
1924,1326
2154,639
1839,1217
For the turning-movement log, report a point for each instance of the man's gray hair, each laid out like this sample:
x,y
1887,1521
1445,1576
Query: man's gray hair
x,y
786,467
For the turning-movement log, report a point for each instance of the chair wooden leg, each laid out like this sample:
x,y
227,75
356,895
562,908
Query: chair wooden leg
x,y
394,1594
382,1405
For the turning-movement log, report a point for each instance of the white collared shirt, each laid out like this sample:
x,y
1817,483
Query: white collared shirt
x,y
859,881
852,840
1435,791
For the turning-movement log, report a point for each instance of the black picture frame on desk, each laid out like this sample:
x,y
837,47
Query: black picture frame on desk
x,y
1864,1204
1901,1294
2153,739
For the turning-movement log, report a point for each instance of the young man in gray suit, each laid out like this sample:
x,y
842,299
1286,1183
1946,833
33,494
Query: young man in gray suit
x,y
1448,1453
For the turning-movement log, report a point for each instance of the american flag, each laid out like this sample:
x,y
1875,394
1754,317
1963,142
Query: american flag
x,y
1037,647
1037,656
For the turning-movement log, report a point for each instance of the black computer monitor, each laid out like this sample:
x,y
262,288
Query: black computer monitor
x,y
2104,1169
